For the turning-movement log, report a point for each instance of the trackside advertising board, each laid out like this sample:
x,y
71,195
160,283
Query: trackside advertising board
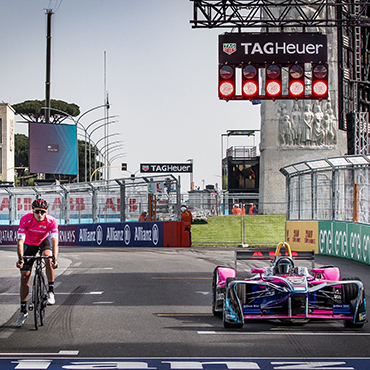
x,y
302,235
161,363
333,238
126,234
344,239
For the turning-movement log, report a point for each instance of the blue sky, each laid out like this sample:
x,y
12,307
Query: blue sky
x,y
161,76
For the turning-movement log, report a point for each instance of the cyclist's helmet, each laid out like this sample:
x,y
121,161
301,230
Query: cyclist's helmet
x,y
284,266
40,203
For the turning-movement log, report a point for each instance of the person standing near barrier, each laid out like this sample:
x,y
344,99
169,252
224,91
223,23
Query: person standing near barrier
x,y
236,210
186,217
143,216
37,232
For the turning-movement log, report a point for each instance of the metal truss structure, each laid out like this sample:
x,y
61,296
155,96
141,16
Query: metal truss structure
x,y
278,13
351,18
361,133
354,89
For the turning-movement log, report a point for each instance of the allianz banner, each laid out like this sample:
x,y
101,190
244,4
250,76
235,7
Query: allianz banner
x,y
344,239
127,234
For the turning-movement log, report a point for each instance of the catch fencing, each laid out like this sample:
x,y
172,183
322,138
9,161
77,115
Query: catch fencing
x,y
118,200
336,188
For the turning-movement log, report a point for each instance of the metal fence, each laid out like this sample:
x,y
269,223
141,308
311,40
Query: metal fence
x,y
116,200
336,188
121,200
215,202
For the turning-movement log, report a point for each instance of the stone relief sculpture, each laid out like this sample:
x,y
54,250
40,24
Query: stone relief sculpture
x,y
307,124
308,118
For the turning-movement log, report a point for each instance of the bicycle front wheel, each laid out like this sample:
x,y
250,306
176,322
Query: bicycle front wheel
x,y
39,300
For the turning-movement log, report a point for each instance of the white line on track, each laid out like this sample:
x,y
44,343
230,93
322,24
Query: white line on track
x,y
59,293
60,353
212,332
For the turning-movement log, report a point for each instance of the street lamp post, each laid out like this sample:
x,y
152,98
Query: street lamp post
x,y
102,154
107,120
77,122
118,155
104,124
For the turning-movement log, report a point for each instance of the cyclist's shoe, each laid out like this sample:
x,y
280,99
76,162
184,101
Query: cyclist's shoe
x,y
21,319
51,298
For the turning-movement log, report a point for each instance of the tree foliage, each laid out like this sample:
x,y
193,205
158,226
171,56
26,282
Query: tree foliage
x,y
33,110
22,148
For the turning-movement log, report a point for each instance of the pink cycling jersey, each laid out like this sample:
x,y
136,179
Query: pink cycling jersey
x,y
34,232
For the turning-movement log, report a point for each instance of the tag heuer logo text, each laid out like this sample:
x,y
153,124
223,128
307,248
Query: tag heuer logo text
x,y
229,48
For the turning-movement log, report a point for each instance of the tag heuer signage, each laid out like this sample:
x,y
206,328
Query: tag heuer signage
x,y
236,48
229,48
166,167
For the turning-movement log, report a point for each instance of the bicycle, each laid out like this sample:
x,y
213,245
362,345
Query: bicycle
x,y
39,290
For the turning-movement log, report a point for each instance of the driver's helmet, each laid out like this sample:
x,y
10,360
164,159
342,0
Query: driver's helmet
x,y
284,266
40,203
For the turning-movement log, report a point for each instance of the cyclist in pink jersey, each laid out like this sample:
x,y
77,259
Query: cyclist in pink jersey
x,y
37,232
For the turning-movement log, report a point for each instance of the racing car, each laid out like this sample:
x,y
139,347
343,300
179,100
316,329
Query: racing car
x,y
286,292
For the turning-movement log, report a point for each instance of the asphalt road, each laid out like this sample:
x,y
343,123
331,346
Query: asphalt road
x,y
157,303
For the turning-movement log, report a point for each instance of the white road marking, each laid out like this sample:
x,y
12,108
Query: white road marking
x,y
60,353
58,293
212,332
204,293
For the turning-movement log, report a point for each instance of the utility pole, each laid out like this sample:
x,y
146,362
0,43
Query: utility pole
x,y
106,114
49,13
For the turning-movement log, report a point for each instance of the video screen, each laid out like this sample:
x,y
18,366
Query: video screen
x,y
53,148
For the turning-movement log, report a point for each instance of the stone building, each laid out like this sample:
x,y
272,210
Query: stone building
x,y
7,142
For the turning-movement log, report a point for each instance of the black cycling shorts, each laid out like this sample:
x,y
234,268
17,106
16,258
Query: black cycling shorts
x,y
31,250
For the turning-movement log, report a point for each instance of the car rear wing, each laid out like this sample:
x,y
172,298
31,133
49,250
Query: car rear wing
x,y
242,255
